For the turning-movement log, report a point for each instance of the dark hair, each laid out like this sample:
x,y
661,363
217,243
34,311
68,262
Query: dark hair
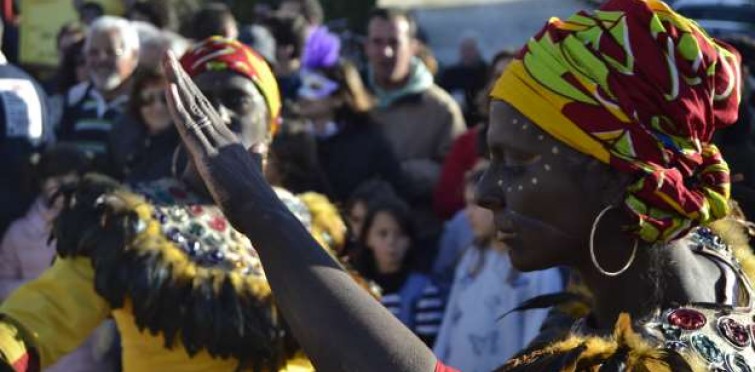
x,y
62,159
289,31
483,97
364,260
294,151
69,28
92,6
426,55
311,10
390,14
73,56
357,100
498,57
211,20
369,192
157,13
142,78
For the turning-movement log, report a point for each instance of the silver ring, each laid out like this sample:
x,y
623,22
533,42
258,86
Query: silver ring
x,y
203,122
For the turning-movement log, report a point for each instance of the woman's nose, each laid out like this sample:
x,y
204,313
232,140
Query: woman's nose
x,y
489,192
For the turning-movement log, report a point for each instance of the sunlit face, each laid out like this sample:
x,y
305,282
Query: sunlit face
x,y
239,103
388,243
153,107
542,205
390,49
107,60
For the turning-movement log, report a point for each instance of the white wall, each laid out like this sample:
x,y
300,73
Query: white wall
x,y
504,24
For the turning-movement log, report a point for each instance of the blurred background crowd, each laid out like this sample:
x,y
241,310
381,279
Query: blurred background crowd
x,y
371,119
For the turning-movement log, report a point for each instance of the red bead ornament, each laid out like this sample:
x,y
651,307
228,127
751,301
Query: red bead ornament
x,y
218,224
687,319
196,210
734,332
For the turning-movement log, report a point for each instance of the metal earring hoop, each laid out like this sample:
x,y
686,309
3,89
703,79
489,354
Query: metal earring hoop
x,y
592,248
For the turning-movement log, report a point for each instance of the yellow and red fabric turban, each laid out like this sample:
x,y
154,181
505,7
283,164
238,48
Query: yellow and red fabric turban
x,y
220,54
643,89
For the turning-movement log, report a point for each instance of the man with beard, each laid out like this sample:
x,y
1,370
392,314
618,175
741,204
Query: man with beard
x,y
111,53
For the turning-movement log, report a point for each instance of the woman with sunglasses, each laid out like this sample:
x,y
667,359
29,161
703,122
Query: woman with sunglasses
x,y
144,143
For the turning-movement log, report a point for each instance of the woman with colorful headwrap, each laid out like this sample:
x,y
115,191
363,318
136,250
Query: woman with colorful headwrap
x,y
186,290
600,160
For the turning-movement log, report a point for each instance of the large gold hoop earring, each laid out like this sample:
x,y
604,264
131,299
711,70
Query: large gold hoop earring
x,y
592,248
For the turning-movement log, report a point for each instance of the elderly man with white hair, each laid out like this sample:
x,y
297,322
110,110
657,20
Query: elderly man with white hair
x,y
111,53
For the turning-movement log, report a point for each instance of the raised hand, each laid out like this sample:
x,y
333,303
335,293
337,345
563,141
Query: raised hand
x,y
228,170
321,303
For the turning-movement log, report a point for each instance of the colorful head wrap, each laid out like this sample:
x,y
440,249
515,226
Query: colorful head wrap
x,y
220,54
642,89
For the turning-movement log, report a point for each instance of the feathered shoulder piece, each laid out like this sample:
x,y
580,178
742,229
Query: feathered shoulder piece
x,y
174,259
625,350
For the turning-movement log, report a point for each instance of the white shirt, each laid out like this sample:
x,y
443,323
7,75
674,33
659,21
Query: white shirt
x,y
473,337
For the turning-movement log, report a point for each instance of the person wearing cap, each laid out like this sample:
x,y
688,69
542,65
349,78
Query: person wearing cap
x,y
185,289
601,160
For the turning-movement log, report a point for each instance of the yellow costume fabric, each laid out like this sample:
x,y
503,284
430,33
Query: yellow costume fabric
x,y
60,309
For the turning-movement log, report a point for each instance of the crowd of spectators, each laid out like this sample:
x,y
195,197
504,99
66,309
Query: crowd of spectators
x,y
397,142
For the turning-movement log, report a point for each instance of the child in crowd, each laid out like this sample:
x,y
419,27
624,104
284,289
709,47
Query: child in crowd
x,y
26,251
475,335
356,207
384,255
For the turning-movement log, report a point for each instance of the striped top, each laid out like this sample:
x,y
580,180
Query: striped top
x,y
418,303
88,118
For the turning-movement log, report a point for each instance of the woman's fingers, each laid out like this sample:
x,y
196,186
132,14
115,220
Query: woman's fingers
x,y
197,105
190,130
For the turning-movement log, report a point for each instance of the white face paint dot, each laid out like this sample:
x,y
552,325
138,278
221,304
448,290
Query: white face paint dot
x,y
520,188
524,127
500,183
515,121
540,137
547,168
554,150
509,189
534,181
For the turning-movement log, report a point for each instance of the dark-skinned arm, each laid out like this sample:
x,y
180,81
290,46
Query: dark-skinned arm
x,y
339,325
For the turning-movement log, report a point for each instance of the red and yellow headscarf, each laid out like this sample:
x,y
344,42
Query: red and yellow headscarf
x,y
643,89
220,54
